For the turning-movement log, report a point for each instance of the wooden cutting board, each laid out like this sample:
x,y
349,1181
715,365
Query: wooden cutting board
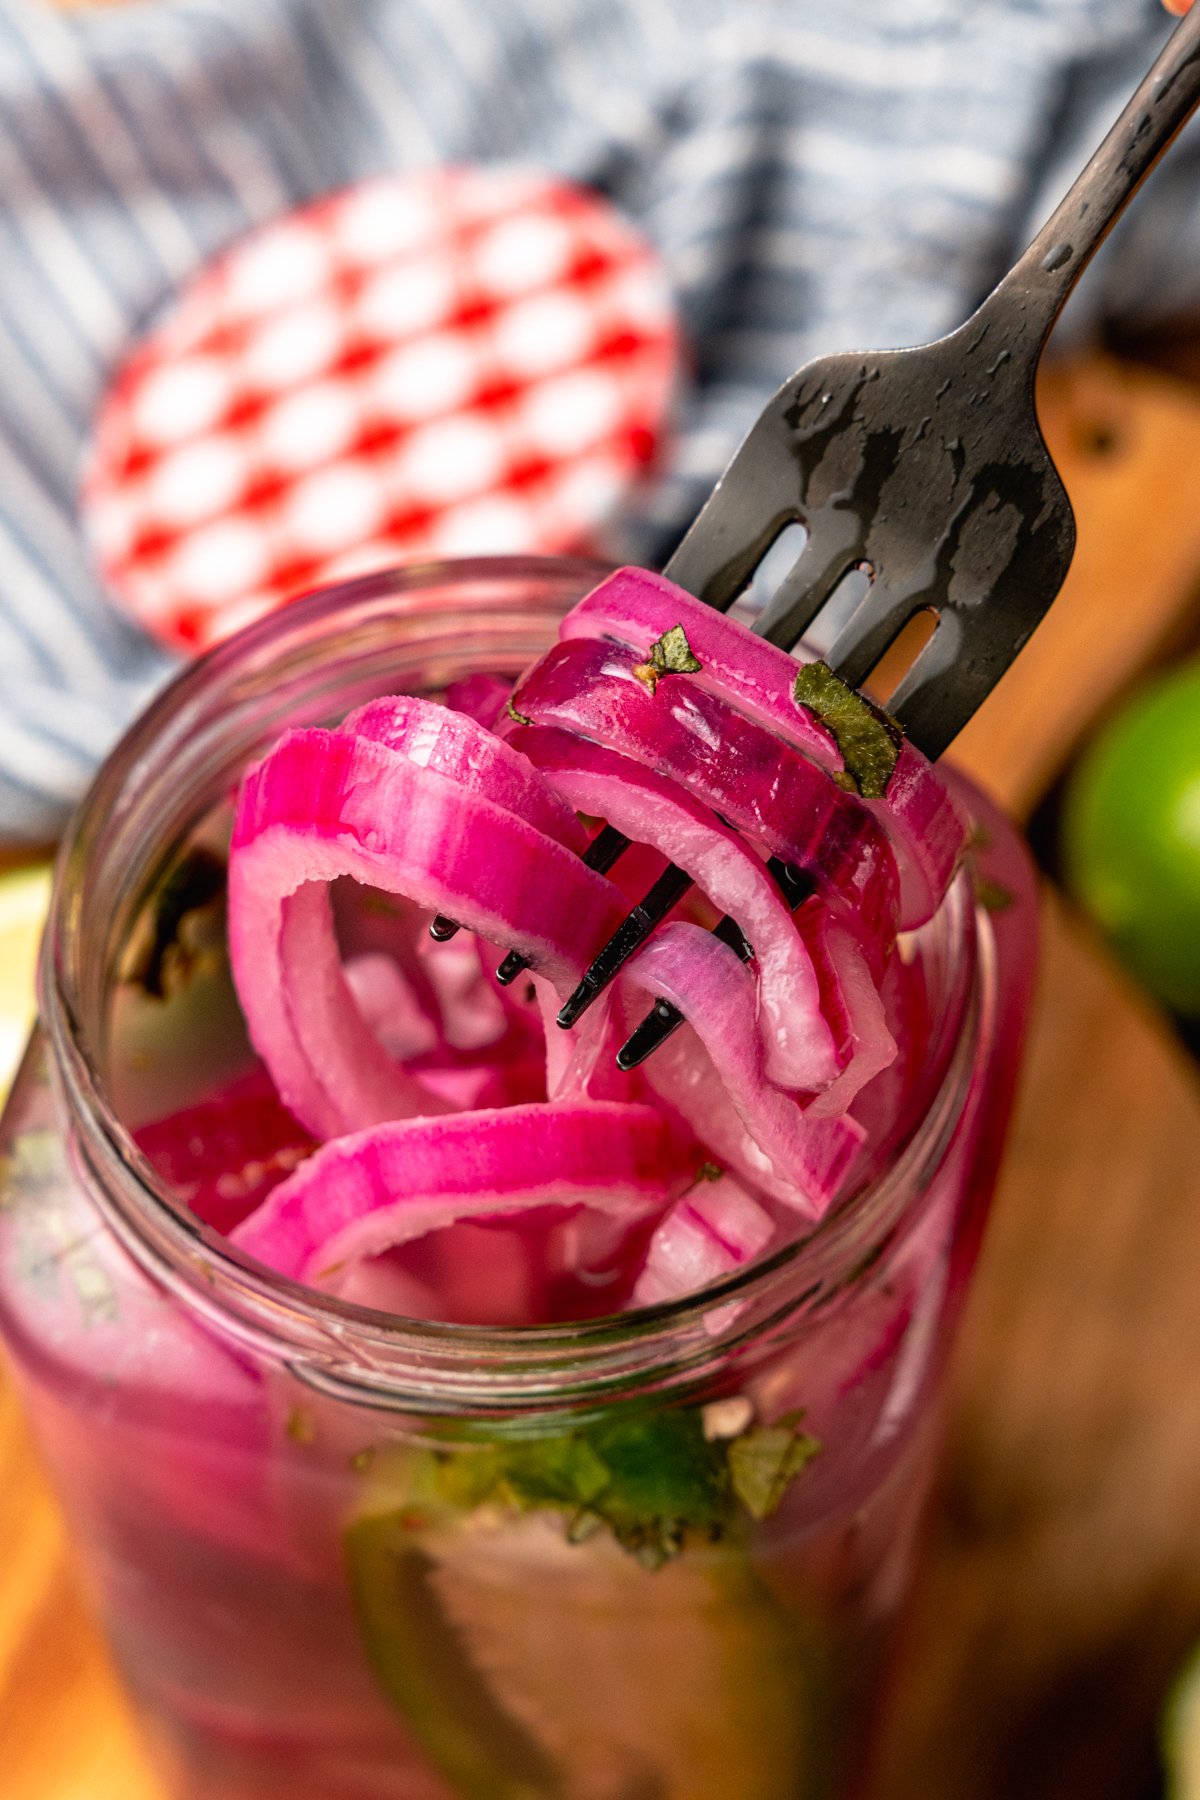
x,y
1063,1577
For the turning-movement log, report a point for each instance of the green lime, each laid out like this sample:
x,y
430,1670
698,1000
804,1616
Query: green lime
x,y
24,899
1181,1734
530,1666
1131,835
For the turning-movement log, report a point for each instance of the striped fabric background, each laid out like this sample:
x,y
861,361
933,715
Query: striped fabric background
x,y
818,174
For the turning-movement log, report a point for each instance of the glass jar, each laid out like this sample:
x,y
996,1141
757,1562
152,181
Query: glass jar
x,y
341,1555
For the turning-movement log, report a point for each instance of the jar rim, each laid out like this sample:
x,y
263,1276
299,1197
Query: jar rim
x,y
339,1345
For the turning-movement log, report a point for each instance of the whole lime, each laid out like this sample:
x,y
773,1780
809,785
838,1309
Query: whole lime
x,y
1131,835
1181,1733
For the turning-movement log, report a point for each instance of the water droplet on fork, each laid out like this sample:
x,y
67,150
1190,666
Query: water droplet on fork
x,y
1057,256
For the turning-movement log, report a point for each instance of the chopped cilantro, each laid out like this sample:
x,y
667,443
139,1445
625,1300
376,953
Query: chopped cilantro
x,y
653,1479
763,1461
671,654
665,1479
991,896
649,1477
867,737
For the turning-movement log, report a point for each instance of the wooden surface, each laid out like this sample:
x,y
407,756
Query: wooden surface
x,y
1063,1580
1127,442
1063,1586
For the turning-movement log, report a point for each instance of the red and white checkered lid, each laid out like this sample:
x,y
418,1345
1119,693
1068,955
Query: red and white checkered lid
x,y
443,363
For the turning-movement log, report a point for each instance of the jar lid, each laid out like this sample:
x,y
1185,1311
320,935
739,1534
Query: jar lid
x,y
446,362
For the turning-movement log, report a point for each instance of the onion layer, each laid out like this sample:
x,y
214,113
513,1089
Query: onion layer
x,y
370,1191
922,818
324,805
427,1084
771,792
799,1046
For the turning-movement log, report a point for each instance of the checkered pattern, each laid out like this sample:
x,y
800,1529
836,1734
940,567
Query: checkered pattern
x,y
450,362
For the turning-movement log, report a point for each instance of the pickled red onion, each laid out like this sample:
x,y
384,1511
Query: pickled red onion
x,y
747,774
325,804
790,1153
480,696
713,770
371,1190
633,607
457,747
851,1004
798,1042
714,1229
923,819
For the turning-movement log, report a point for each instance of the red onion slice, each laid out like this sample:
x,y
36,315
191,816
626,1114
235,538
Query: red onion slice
x,y
715,1229
766,788
480,696
850,1003
634,607
751,1126
371,1190
456,746
924,820
651,810
326,804
713,770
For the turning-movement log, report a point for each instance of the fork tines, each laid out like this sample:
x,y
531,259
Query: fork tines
x,y
603,851
629,936
663,1017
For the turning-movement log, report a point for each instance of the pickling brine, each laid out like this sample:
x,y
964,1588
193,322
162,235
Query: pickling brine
x,y
440,1410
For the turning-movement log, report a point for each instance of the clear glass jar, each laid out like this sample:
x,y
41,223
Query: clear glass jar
x,y
344,1556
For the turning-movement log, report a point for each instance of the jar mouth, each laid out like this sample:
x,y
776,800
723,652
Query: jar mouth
x,y
153,786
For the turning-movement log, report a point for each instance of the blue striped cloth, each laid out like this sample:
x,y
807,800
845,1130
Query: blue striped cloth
x,y
817,176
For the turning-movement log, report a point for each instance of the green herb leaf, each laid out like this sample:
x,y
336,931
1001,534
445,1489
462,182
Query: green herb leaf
x,y
653,1478
469,1477
763,1461
868,738
665,1479
671,654
650,1477
562,1471
991,896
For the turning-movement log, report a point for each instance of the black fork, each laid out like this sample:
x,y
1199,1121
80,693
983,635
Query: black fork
x,y
925,470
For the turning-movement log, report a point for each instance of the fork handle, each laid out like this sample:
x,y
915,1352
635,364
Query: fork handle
x,y
1033,293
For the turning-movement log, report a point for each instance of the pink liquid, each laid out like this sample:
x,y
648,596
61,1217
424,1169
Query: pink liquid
x,y
322,1599
214,1522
